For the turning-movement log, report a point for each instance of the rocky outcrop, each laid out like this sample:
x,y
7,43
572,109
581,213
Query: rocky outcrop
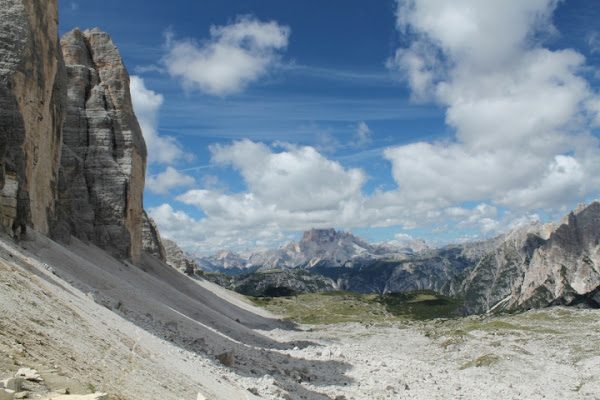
x,y
536,265
72,155
32,97
177,259
151,241
104,155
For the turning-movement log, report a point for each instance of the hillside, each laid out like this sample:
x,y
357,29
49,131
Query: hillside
x,y
86,341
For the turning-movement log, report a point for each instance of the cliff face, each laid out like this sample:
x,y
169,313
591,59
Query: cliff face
x,y
177,259
32,103
151,240
103,159
536,265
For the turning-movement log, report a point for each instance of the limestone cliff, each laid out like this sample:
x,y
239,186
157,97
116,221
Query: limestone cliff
x,y
103,159
151,240
32,98
536,265
177,259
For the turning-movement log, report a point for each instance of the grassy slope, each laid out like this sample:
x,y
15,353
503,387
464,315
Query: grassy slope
x,y
335,307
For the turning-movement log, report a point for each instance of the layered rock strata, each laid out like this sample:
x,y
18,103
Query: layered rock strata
x,y
536,265
152,243
32,103
177,259
103,159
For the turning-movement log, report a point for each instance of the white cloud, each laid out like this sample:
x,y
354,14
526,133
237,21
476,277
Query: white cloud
x,y
291,189
167,180
593,41
146,104
234,56
363,134
522,113
298,179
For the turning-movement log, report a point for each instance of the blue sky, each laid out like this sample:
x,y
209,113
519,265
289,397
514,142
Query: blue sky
x,y
448,121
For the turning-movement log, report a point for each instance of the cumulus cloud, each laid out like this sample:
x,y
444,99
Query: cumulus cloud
x,y
297,179
289,188
167,180
522,113
146,104
234,56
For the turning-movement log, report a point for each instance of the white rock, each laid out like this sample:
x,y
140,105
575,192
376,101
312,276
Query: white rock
x,y
29,374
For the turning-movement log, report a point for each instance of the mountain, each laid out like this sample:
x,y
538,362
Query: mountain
x,y
535,265
72,168
341,261
318,247
531,266
103,159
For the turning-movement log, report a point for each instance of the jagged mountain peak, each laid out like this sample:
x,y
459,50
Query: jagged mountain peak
x,y
322,247
536,264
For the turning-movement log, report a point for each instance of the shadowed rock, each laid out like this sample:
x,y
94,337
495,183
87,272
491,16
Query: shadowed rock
x,y
104,154
32,102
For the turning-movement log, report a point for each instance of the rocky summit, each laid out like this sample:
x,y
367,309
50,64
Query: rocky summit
x,y
317,248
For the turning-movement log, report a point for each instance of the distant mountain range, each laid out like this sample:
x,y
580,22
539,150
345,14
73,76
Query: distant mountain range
x,y
316,248
531,266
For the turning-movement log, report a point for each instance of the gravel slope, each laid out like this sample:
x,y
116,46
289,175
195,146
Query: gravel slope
x,y
88,322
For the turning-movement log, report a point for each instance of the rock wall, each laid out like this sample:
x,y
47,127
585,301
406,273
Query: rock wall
x,y
152,243
32,103
104,154
177,259
536,265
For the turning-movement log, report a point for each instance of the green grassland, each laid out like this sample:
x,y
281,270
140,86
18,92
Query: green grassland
x,y
336,307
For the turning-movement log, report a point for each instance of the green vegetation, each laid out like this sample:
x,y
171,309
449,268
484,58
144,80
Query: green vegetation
x,y
420,304
335,307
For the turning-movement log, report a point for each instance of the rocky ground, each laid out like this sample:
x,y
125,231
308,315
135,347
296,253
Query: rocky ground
x,y
51,325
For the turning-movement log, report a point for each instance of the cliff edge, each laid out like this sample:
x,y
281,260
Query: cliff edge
x,y
32,111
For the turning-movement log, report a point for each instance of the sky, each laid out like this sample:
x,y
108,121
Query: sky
x,y
394,120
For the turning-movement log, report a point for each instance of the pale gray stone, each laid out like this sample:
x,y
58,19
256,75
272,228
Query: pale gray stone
x,y
177,258
151,240
103,162
32,102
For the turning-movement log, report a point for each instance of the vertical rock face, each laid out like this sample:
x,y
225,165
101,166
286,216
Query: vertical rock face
x,y
104,154
536,265
32,99
151,240
177,259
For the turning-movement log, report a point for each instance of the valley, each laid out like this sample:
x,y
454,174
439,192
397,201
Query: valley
x,y
97,305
